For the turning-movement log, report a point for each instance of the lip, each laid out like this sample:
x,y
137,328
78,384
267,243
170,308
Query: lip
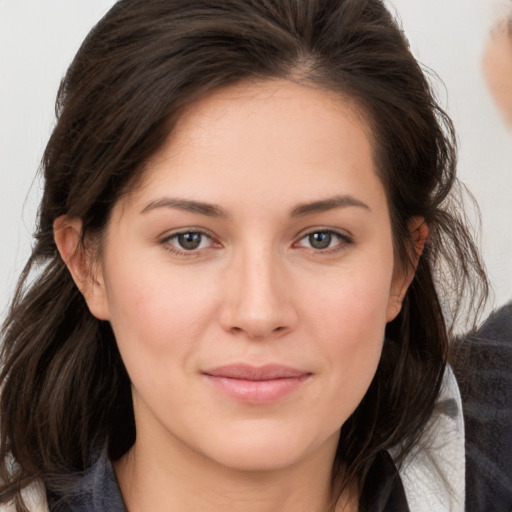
x,y
256,384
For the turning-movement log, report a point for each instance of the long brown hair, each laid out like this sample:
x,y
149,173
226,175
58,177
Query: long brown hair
x,y
65,390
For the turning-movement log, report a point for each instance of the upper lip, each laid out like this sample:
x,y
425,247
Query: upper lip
x,y
255,373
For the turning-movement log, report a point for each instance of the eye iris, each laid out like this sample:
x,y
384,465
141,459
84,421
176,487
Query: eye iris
x,y
320,240
189,241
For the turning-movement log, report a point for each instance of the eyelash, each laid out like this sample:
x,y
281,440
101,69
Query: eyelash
x,y
343,240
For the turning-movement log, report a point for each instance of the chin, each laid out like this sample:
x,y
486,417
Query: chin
x,y
256,459
265,449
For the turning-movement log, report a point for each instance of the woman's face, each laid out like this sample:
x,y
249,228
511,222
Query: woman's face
x,y
250,277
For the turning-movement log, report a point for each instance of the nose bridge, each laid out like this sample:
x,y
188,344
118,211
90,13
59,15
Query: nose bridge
x,y
257,302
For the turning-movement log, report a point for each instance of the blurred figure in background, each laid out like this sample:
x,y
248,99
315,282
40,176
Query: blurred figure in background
x,y
484,358
497,67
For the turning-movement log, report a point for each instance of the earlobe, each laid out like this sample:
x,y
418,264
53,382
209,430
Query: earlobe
x,y
418,229
79,260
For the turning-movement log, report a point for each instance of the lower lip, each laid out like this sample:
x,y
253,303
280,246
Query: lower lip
x,y
257,391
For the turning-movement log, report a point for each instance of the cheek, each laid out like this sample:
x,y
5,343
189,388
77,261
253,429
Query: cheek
x,y
357,332
350,318
157,317
158,328
353,304
350,336
155,296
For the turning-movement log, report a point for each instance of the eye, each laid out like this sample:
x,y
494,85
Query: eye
x,y
188,241
324,240
320,240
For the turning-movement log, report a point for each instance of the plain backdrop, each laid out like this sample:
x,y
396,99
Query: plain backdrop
x,y
39,38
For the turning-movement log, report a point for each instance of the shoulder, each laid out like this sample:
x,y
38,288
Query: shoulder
x,y
93,490
34,497
483,364
433,473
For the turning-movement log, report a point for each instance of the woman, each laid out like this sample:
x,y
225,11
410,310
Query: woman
x,y
246,205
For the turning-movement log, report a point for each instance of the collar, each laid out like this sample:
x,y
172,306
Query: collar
x,y
433,474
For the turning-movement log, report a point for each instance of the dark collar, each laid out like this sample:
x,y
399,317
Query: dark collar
x,y
95,490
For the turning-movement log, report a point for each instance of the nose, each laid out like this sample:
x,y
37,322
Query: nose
x,y
259,302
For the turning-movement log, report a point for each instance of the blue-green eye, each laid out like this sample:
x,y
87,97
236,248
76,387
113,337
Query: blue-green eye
x,y
323,240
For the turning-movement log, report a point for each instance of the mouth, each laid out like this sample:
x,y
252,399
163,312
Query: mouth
x,y
256,385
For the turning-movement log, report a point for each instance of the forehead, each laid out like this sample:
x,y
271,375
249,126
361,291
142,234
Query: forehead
x,y
269,108
259,138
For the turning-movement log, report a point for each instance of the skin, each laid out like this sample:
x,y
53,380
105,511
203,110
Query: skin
x,y
274,158
497,68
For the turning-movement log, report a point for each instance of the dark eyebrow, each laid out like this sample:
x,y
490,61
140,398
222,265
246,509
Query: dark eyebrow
x,y
210,210
327,204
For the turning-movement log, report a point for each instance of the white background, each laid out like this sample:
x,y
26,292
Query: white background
x,y
39,38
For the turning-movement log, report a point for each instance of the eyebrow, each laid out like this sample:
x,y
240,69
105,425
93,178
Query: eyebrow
x,y
188,205
212,210
330,203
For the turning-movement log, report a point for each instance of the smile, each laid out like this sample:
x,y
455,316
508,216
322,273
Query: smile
x,y
256,385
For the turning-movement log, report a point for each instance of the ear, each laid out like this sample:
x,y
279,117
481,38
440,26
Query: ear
x,y
403,277
82,264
